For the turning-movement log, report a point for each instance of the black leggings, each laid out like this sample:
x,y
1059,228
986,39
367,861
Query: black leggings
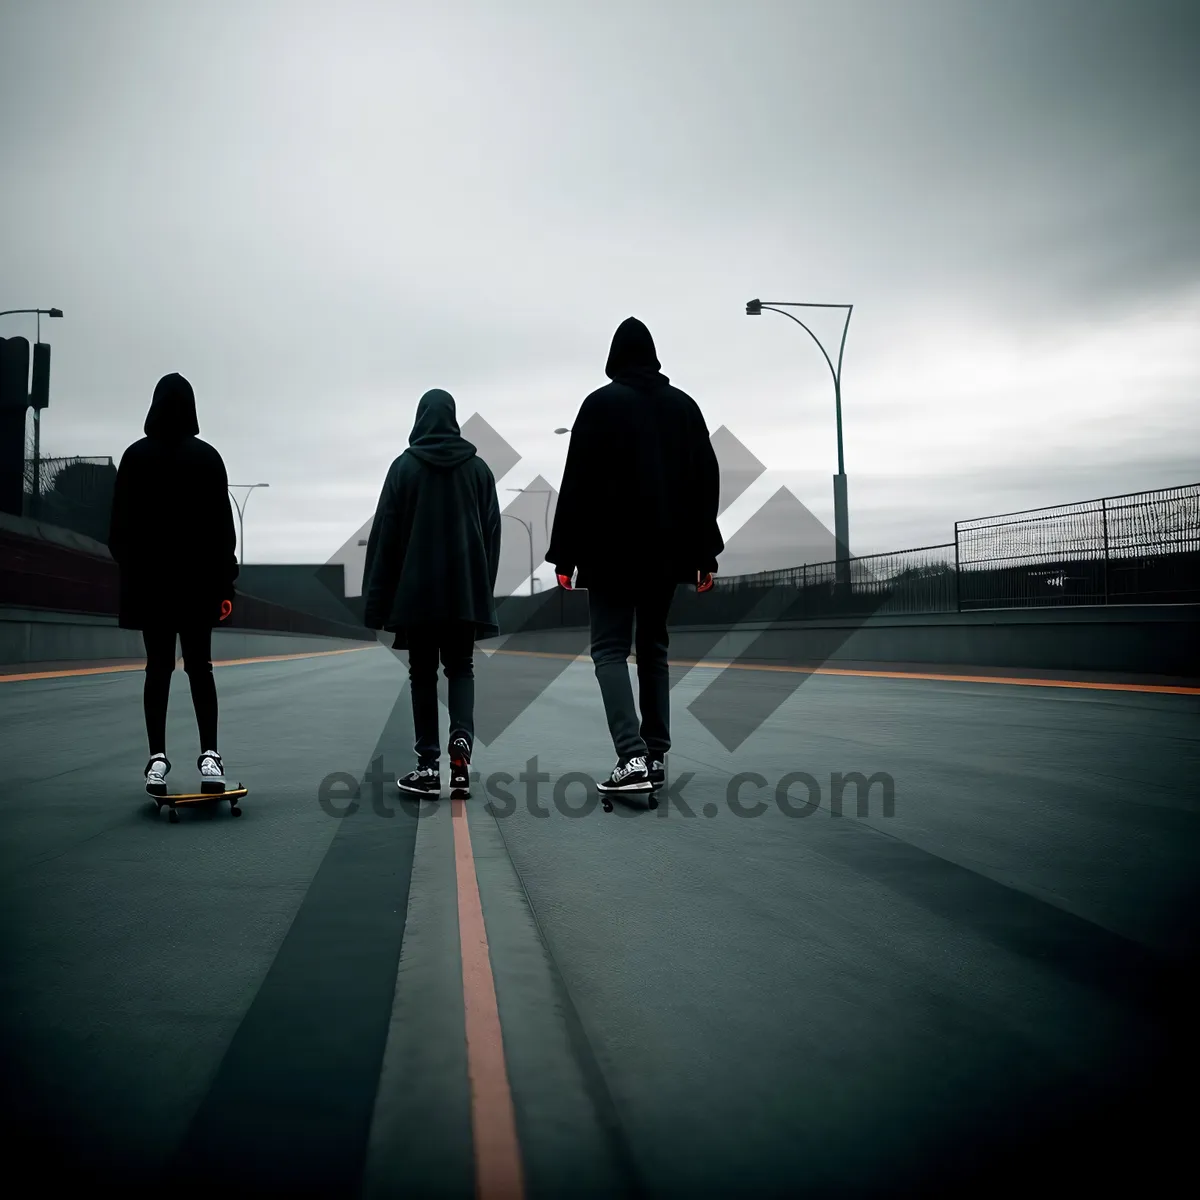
x,y
196,644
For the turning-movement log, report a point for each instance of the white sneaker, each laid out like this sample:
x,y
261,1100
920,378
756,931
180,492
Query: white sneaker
x,y
156,775
212,772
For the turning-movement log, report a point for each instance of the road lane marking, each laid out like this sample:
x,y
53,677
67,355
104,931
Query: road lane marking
x,y
498,1174
141,666
1015,680
1018,680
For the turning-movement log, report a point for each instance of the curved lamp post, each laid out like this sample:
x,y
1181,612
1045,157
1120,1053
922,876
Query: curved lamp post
x,y
841,519
241,511
547,492
41,312
528,530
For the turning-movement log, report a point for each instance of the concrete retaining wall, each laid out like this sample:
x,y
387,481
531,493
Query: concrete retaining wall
x,y
32,636
1142,639
1134,639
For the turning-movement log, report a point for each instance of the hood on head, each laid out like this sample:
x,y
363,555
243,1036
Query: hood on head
x,y
173,410
632,359
435,438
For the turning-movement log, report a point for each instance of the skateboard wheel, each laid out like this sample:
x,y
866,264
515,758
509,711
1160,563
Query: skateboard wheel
x,y
173,816
234,810
607,804
653,802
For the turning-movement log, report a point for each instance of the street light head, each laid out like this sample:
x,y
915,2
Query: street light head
x,y
562,431
754,308
262,485
55,312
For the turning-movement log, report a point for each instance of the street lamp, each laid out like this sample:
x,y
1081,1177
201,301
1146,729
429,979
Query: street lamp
x,y
841,517
241,511
41,312
37,412
547,492
528,530
562,431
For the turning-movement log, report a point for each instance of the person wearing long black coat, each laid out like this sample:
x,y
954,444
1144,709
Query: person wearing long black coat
x,y
430,579
636,517
172,537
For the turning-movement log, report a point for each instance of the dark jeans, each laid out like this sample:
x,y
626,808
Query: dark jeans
x,y
613,616
454,644
196,644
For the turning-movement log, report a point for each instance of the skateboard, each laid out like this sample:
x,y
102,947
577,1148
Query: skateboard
x,y
233,795
606,799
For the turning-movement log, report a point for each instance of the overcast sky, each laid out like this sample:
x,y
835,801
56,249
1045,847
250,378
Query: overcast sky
x,y
318,212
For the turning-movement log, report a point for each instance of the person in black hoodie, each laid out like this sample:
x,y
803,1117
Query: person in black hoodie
x,y
430,578
636,516
172,537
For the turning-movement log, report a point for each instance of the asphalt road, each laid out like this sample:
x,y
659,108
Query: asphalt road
x,y
987,988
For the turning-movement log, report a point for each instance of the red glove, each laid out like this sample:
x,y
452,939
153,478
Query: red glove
x,y
226,609
704,581
564,582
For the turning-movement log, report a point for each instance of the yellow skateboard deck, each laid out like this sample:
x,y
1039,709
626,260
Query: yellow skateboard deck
x,y
170,800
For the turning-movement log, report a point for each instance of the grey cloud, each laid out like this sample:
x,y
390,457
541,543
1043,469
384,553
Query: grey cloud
x,y
317,219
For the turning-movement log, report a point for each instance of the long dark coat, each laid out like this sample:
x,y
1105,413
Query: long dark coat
x,y
641,487
434,549
171,531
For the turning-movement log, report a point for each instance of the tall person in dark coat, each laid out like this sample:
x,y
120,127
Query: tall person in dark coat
x,y
430,578
636,517
173,539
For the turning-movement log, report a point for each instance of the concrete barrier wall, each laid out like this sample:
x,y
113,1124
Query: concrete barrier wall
x,y
1142,639
1137,639
32,636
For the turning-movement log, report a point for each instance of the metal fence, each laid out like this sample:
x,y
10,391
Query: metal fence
x,y
73,493
1140,548
902,581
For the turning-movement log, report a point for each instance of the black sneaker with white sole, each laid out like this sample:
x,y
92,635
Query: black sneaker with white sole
x,y
629,775
460,768
424,781
658,772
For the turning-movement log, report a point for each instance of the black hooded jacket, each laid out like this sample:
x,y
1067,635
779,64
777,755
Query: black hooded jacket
x,y
641,487
434,549
171,531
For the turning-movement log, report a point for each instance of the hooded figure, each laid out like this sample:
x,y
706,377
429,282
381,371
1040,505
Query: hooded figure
x,y
171,532
641,486
637,516
434,548
172,537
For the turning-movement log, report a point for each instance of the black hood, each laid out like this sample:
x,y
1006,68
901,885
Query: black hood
x,y
632,359
173,410
435,438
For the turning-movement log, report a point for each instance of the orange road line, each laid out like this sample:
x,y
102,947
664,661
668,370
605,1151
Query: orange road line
x,y
498,1174
1017,680
225,662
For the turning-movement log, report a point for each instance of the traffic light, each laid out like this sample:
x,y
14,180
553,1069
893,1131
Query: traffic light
x,y
40,393
14,373
14,402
